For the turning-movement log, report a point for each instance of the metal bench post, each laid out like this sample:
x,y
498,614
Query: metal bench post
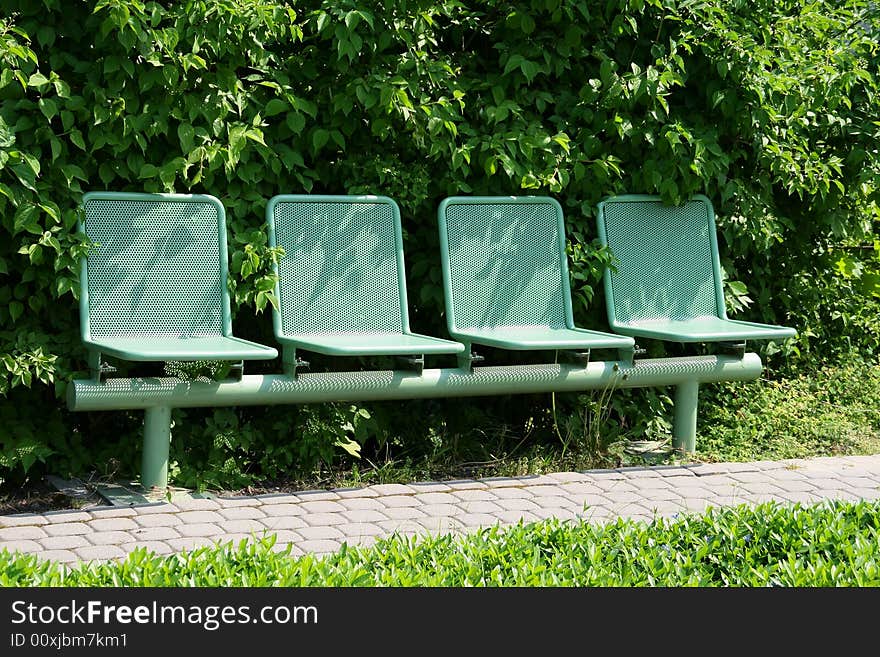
x,y
684,427
157,443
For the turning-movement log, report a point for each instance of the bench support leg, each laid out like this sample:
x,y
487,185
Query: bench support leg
x,y
684,427
157,442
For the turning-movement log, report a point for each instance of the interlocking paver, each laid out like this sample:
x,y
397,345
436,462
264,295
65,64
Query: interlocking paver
x,y
440,510
361,529
235,502
514,516
323,506
546,491
283,522
474,494
242,513
561,514
99,553
404,513
436,498
282,498
867,493
22,520
567,477
392,489
150,534
21,546
110,538
479,506
477,520
362,503
317,496
402,526
581,488
63,542
502,482
761,487
112,524
199,529
320,519
462,484
621,496
159,507
433,486
67,529
365,515
319,533
556,502
651,483
663,507
199,516
394,501
197,504
285,509
348,493
362,541
243,526
24,533
800,497
60,556
512,493
56,517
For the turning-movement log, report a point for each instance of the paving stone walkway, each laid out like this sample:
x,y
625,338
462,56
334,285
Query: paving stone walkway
x,y
321,521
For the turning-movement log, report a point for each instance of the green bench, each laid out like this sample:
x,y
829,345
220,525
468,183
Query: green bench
x,y
342,285
505,276
154,289
667,282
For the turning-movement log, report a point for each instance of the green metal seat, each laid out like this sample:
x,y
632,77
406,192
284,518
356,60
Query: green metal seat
x,y
667,280
154,286
505,274
342,287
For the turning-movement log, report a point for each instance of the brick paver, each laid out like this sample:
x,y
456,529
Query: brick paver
x,y
319,522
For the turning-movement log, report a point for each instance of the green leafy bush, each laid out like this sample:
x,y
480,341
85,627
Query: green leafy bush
x,y
833,544
766,106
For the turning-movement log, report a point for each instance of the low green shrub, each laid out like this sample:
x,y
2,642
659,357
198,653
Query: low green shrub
x,y
832,544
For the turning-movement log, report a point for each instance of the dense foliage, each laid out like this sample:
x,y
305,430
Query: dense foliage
x,y
767,106
835,544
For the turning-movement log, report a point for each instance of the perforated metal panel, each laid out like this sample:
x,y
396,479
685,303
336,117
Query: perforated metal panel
x,y
340,269
505,264
156,269
665,264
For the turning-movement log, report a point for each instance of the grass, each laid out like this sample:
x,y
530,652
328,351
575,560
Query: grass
x,y
832,544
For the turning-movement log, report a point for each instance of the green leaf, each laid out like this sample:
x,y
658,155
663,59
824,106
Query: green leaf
x,y
296,122
77,139
319,138
276,106
16,308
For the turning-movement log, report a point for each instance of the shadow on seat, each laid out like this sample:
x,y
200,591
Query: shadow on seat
x,y
505,275
667,280
342,288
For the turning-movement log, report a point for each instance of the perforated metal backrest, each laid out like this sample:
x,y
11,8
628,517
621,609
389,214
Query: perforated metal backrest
x,y
666,259
158,267
343,266
504,262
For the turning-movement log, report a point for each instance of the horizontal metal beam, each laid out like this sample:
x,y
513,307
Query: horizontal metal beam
x,y
251,390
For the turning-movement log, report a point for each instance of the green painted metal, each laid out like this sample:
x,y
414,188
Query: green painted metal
x,y
684,426
144,393
157,442
342,284
666,282
505,275
154,286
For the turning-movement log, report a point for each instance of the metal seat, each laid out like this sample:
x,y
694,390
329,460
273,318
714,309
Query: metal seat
x,y
154,286
342,287
667,283
505,274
